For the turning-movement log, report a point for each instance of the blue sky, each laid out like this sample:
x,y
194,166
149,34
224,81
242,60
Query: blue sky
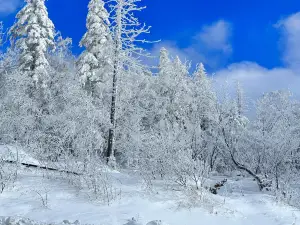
x,y
254,41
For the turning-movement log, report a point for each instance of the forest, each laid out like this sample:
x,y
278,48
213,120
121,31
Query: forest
x,y
108,108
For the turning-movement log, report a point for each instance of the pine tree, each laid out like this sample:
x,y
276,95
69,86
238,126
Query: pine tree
x,y
164,60
95,64
200,73
180,68
33,35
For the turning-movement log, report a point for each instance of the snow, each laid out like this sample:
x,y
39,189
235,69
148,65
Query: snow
x,y
12,153
25,221
238,203
156,222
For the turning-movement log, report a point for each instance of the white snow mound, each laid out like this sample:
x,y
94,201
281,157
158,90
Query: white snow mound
x,y
156,222
133,221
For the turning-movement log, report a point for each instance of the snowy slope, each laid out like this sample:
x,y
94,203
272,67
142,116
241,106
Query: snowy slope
x,y
239,203
12,153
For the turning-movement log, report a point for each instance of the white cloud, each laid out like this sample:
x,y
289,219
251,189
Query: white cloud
x,y
210,46
257,80
290,28
216,36
9,6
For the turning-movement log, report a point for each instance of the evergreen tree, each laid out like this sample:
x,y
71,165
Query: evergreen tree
x,y
95,64
33,35
180,68
164,60
200,73
203,94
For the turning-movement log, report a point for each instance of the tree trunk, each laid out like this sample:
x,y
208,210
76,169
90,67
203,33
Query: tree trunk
x,y
42,167
261,185
213,158
240,166
277,177
111,135
118,47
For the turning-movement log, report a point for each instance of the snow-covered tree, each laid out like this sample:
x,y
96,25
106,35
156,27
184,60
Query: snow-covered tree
x,y
164,61
134,96
126,30
200,73
240,98
177,145
276,132
33,35
203,117
62,54
180,68
232,130
172,92
2,66
95,63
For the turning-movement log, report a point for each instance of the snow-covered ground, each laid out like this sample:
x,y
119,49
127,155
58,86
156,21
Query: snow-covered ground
x,y
12,153
239,203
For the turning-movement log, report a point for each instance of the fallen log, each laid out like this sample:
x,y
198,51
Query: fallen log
x,y
217,186
42,167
